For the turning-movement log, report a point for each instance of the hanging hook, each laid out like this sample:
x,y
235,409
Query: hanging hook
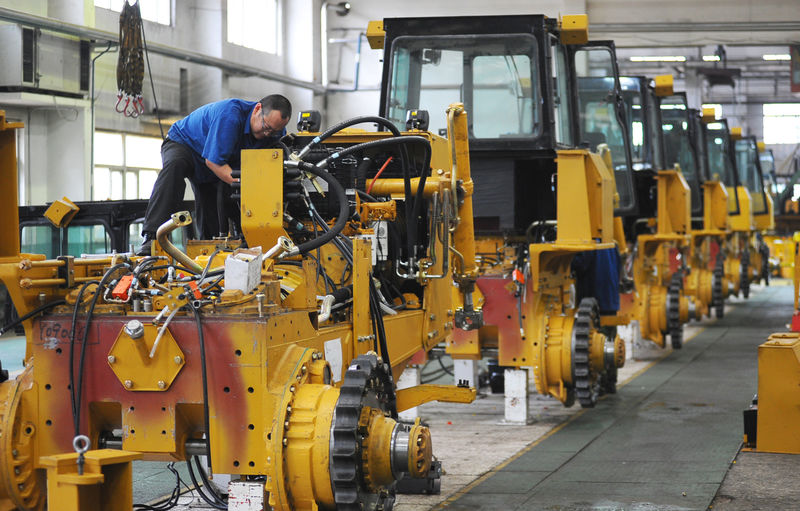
x,y
119,100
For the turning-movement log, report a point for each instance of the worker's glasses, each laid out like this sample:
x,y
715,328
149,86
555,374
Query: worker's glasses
x,y
266,128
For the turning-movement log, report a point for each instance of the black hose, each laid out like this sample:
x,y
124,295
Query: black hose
x,y
31,314
85,340
344,209
200,492
404,139
366,196
208,264
386,123
204,478
378,313
412,206
361,173
72,394
204,379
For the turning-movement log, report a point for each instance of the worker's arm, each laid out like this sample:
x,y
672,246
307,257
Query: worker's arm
x,y
222,171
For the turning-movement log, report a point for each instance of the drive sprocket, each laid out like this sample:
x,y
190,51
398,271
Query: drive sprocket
x,y
587,385
674,324
744,274
367,383
717,298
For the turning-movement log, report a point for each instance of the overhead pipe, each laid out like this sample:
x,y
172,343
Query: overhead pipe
x,y
227,66
711,26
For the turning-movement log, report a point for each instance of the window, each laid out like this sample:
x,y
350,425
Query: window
x,y
254,24
159,11
494,75
87,239
125,166
782,123
563,115
37,239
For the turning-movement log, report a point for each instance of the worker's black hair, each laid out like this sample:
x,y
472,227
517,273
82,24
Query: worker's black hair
x,y
277,102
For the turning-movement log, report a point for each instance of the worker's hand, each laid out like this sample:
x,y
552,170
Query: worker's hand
x,y
224,172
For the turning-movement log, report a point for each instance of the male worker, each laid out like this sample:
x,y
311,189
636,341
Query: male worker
x,y
204,147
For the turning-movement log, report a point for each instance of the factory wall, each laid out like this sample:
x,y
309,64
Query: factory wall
x,y
57,138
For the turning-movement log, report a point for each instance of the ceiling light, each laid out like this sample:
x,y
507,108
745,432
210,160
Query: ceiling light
x,y
711,58
777,56
659,58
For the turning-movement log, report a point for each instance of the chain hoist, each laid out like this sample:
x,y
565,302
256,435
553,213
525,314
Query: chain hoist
x,y
130,66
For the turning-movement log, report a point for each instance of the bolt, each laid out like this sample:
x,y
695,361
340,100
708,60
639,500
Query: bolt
x,y
14,453
433,317
303,369
112,359
439,171
292,389
248,213
134,328
288,409
128,384
275,212
274,155
178,360
285,442
162,384
286,425
419,440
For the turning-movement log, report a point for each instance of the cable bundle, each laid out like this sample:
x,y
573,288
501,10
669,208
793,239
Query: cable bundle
x,y
130,66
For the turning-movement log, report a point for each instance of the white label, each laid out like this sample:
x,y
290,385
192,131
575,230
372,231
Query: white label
x,y
380,244
333,354
245,496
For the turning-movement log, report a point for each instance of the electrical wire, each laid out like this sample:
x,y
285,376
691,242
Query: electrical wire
x,y
383,167
172,500
152,84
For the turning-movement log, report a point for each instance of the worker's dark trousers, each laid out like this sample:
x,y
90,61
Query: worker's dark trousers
x,y
177,165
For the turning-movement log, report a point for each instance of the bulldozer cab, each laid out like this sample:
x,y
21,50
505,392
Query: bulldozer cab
x,y
767,160
517,79
721,162
750,172
602,115
680,145
637,132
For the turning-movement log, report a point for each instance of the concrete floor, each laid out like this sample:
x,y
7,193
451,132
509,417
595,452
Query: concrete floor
x,y
665,441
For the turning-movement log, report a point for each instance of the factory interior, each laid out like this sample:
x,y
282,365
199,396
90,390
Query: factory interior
x,y
301,255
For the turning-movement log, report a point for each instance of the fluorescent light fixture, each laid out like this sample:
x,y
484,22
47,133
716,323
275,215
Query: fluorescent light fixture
x,y
777,56
711,58
659,58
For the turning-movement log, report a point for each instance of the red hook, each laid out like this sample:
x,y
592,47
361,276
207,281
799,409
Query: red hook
x,y
119,100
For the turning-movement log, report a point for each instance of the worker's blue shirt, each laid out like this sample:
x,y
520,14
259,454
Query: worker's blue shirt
x,y
218,132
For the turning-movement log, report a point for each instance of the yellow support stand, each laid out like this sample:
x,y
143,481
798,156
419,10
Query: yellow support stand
x,y
779,394
106,483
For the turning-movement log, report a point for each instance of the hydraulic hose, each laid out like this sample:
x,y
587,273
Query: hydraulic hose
x,y
341,219
386,123
413,207
403,139
31,314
